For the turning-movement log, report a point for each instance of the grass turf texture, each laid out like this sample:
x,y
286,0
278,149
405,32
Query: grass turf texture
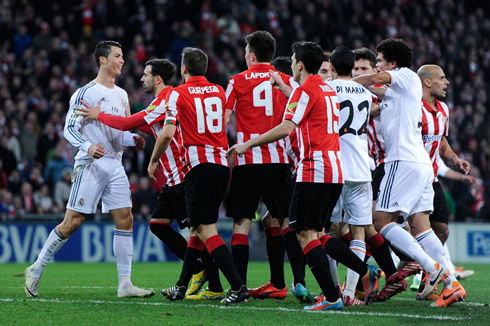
x,y
77,293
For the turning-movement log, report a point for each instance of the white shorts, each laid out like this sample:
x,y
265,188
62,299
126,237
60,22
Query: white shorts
x,y
356,201
104,179
406,187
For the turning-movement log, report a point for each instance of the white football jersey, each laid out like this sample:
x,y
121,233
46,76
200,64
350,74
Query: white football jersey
x,y
83,135
355,105
401,118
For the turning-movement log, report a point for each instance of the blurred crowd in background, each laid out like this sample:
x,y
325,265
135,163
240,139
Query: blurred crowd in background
x,y
46,53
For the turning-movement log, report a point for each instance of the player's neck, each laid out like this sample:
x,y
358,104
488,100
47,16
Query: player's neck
x,y
304,76
430,100
104,79
344,77
159,89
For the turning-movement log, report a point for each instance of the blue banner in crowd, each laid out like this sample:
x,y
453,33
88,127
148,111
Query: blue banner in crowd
x,y
92,243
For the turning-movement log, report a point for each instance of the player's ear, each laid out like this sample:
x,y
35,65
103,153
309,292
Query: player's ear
x,y
102,59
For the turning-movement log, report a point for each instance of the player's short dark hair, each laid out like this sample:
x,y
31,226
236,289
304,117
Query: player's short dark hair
x,y
366,54
103,49
195,60
395,49
163,68
311,54
342,59
263,44
283,64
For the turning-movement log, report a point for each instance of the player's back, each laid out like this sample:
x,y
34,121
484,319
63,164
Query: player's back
x,y
355,104
258,107
313,106
198,105
114,101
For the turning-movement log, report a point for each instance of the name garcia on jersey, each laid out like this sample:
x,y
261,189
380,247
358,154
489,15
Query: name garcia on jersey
x,y
203,90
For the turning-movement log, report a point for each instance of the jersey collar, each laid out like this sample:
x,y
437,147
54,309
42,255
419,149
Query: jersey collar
x,y
430,108
196,79
164,92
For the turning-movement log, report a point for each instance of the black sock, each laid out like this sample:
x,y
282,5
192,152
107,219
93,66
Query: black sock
x,y
222,258
380,250
190,260
318,262
341,253
295,255
275,254
212,272
172,239
240,252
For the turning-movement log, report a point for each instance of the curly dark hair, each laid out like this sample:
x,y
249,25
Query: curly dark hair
x,y
395,49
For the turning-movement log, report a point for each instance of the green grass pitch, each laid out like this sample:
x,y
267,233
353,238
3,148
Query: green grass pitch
x,y
85,294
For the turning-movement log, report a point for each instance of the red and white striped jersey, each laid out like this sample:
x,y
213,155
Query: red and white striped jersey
x,y
153,116
197,109
292,149
376,144
314,108
435,125
259,107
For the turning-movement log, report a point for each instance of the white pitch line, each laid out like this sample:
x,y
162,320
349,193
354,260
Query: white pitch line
x,y
241,307
473,304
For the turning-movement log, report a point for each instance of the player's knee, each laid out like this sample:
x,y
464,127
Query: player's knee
x,y
442,234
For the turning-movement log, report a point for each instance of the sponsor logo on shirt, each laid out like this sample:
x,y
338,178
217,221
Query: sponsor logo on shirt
x,y
429,139
290,107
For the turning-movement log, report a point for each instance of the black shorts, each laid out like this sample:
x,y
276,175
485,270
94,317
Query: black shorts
x,y
249,182
312,205
205,186
440,213
171,205
378,175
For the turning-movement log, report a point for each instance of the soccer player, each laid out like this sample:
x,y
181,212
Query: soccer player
x,y
98,172
264,172
365,63
406,188
171,201
196,109
355,200
313,109
435,120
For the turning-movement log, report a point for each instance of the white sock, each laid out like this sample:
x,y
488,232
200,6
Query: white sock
x,y
358,247
332,263
396,259
403,241
433,246
123,250
451,266
53,244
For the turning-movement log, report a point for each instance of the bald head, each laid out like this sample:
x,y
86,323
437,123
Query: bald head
x,y
428,71
434,82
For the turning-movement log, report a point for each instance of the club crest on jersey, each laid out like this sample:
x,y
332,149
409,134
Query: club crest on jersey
x,y
81,202
290,107
123,102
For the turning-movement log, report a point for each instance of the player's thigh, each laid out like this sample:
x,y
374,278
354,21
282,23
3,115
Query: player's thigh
x,y
205,186
378,175
312,205
337,211
440,213
244,195
357,203
171,205
88,183
277,188
117,193
403,185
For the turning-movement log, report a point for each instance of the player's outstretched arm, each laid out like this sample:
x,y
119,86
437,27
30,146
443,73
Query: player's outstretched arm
x,y
372,79
161,146
279,84
279,132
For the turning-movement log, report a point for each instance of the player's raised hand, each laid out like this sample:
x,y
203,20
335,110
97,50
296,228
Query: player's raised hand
x,y
96,151
276,80
139,142
88,111
152,169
